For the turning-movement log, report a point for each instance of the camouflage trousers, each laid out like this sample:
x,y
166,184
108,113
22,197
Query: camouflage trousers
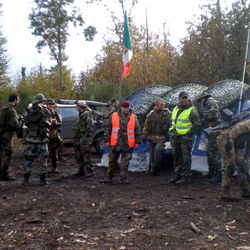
x,y
6,148
125,159
234,158
83,157
182,155
54,145
39,152
156,155
213,154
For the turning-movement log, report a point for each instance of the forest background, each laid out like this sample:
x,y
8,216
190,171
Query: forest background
x,y
213,50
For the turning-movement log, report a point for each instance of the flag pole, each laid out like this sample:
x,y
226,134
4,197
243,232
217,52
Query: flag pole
x,y
120,85
244,70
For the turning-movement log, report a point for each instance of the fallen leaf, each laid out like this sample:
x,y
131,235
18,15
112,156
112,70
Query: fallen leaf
x,y
79,241
122,248
243,233
135,203
211,238
129,231
244,248
60,239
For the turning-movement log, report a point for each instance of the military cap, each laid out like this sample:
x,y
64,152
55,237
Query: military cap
x,y
183,94
125,104
203,95
50,101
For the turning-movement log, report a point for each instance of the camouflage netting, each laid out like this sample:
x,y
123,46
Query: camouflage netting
x,y
194,90
142,99
227,92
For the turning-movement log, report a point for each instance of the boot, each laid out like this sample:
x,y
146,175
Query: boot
x,y
79,173
124,181
226,195
183,180
109,179
175,179
55,170
42,180
90,172
217,178
26,179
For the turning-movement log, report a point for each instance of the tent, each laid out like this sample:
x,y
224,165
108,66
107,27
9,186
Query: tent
x,y
226,92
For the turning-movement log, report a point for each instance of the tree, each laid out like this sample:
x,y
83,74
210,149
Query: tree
x,y
50,20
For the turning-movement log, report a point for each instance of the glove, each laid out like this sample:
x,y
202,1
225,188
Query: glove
x,y
144,140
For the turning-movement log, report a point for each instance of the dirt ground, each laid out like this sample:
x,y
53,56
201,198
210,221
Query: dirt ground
x,y
149,213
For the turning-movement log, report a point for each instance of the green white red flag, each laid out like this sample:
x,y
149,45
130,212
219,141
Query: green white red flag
x,y
127,49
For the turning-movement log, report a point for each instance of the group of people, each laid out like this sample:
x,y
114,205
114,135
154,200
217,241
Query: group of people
x,y
122,134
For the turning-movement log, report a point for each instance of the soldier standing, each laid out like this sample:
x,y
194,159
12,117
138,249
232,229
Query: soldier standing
x,y
185,122
234,145
122,134
38,121
82,131
156,131
112,107
211,116
9,124
55,140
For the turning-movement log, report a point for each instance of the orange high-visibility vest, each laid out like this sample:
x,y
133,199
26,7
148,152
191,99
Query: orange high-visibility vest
x,y
116,126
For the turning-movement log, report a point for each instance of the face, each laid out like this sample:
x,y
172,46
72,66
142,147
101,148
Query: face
x,y
183,101
202,100
16,101
160,105
125,110
50,106
116,103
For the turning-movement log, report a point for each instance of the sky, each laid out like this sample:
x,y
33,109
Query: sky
x,y
21,43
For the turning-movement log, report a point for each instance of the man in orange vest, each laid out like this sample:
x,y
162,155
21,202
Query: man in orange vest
x,y
122,135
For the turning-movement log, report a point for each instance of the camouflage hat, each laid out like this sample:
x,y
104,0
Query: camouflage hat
x,y
39,98
50,101
203,95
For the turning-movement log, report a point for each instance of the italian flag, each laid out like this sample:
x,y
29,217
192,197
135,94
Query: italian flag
x,y
127,49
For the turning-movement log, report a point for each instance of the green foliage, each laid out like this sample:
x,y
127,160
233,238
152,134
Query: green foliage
x,y
50,20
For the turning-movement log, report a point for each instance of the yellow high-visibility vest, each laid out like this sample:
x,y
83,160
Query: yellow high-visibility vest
x,y
183,124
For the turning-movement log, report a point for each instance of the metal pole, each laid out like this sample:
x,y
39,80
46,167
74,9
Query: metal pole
x,y
120,85
244,69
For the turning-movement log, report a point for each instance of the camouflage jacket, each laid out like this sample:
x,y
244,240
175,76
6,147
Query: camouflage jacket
x,y
110,109
9,120
83,127
238,129
53,130
38,122
194,118
211,113
157,125
122,143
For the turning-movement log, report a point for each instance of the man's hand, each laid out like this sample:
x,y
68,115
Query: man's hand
x,y
137,146
107,144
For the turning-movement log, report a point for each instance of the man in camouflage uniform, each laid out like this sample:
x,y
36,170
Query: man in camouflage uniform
x,y
112,107
9,124
82,131
122,134
234,145
185,122
38,122
210,118
55,140
156,131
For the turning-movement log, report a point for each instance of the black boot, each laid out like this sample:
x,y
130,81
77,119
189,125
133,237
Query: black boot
x,y
217,178
26,179
42,180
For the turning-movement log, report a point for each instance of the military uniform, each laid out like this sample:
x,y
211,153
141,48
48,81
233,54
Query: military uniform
x,y
234,145
211,116
110,109
9,124
122,145
156,131
38,122
82,131
181,140
55,140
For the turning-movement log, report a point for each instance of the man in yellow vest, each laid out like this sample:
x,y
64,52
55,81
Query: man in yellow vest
x,y
122,135
185,122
